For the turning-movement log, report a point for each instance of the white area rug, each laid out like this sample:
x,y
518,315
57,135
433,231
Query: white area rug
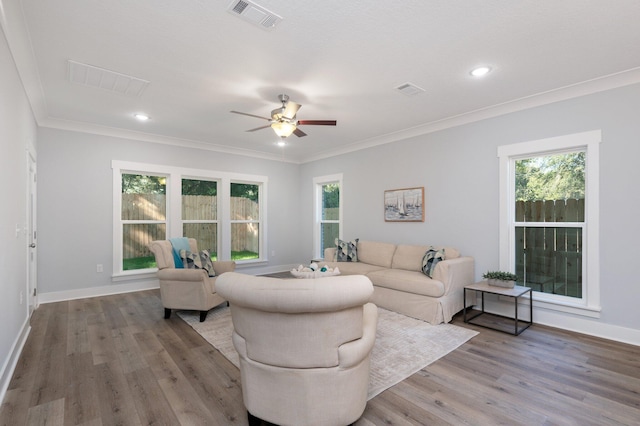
x,y
403,345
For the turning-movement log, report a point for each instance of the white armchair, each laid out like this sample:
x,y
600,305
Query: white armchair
x,y
188,289
304,346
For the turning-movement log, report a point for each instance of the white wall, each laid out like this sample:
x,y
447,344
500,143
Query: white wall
x,y
75,204
17,134
459,169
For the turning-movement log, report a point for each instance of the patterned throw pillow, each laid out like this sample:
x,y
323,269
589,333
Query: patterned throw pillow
x,y
190,260
430,260
346,251
200,260
207,264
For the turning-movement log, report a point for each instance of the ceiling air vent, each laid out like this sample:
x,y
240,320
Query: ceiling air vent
x,y
409,89
88,75
257,15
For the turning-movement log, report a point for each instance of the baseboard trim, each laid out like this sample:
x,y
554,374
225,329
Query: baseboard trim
x,y
12,360
83,293
569,322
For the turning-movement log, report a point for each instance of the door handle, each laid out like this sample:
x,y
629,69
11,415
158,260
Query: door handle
x,y
32,245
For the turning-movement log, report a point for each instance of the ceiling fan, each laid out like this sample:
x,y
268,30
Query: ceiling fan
x,y
283,120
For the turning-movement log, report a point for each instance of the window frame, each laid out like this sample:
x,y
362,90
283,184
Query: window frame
x,y
589,304
174,222
318,183
261,250
216,221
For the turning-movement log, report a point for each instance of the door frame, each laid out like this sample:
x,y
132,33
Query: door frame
x,y
31,233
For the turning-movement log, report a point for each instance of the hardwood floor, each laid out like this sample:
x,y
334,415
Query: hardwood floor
x,y
114,360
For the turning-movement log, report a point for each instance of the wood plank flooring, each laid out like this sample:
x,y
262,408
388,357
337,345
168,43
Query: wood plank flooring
x,y
114,360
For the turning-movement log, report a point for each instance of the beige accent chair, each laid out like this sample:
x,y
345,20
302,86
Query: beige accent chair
x,y
187,289
304,346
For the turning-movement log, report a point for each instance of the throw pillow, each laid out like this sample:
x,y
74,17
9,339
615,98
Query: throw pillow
x,y
430,260
200,260
346,251
190,260
207,264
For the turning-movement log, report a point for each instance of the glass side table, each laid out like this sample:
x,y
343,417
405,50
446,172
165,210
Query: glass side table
x,y
512,325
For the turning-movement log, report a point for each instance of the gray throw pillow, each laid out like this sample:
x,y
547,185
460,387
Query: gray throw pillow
x,y
200,260
430,260
346,251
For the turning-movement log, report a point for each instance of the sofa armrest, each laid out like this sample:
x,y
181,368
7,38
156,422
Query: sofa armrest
x,y
222,266
352,353
180,274
455,273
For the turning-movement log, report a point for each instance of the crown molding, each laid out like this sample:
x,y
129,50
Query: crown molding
x,y
612,81
96,129
596,85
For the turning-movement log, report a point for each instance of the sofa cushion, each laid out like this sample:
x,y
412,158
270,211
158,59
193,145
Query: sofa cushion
x,y
376,253
352,268
407,281
409,257
346,251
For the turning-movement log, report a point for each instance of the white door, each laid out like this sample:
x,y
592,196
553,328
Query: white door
x,y
32,297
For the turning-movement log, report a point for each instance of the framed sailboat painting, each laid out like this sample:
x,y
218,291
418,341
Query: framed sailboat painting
x,y
404,205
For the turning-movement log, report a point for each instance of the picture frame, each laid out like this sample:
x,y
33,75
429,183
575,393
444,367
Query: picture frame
x,y
404,205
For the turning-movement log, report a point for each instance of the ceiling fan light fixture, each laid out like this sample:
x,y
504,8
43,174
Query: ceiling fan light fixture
x,y
283,128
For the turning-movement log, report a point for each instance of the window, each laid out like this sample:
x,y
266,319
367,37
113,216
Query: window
x,y
549,222
200,213
328,208
225,212
549,219
143,218
245,221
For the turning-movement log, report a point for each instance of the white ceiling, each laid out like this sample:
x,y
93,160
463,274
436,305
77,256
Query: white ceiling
x,y
340,60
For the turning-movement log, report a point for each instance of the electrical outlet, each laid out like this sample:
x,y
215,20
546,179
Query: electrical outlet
x,y
273,253
99,268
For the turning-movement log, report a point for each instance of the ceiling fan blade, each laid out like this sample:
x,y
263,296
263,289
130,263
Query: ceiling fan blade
x,y
299,133
251,115
291,109
258,128
318,122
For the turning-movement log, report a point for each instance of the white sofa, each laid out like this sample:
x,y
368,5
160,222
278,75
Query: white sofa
x,y
399,283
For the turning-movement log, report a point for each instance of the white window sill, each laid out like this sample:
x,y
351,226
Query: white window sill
x,y
128,276
539,301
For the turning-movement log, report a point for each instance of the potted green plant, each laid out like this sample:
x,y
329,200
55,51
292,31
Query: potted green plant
x,y
500,278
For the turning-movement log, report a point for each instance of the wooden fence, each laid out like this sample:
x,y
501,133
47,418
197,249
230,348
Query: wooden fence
x,y
136,237
550,259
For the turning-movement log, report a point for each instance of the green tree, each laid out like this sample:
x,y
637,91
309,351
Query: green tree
x,y
143,184
551,177
199,187
331,202
331,195
245,190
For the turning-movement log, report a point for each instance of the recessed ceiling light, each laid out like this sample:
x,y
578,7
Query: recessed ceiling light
x,y
480,71
142,117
